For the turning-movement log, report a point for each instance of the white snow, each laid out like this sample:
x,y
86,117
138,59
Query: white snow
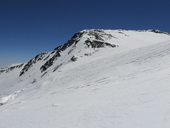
x,y
122,87
6,99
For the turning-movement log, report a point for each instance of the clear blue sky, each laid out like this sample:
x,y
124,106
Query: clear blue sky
x,y
28,27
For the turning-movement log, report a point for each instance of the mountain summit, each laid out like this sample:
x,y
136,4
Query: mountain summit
x,y
98,78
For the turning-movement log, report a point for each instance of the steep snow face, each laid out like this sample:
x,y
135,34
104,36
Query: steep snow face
x,y
98,79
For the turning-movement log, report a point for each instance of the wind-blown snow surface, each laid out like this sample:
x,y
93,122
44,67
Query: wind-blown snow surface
x,y
122,87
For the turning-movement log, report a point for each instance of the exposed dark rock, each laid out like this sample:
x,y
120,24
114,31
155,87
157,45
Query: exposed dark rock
x,y
110,45
98,37
11,68
56,68
158,31
98,44
46,57
73,58
70,51
74,40
1,104
98,30
31,62
43,74
2,70
87,54
57,48
34,81
50,61
99,34
123,33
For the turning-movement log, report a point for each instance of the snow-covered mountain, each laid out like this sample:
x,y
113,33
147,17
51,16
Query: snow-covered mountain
x,y
97,79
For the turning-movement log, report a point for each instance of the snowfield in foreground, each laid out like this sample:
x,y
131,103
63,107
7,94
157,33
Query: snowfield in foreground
x,y
127,86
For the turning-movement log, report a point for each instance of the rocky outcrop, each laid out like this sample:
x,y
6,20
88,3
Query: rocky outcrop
x,y
98,44
74,40
57,51
32,62
14,67
50,61
73,58
11,68
94,39
2,70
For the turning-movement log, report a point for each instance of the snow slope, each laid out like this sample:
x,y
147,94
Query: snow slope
x,y
120,83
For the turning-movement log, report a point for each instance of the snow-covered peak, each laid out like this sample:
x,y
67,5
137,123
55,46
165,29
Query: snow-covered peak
x,y
85,43
99,78
84,46
80,44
